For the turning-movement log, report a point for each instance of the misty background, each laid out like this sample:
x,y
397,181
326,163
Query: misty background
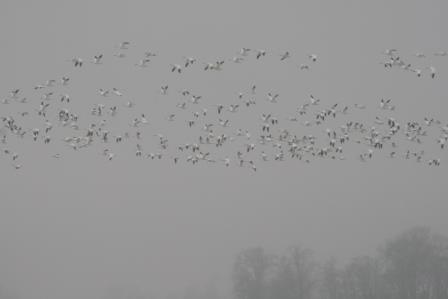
x,y
81,227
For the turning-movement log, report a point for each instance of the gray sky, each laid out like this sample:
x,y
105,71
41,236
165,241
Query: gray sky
x,y
75,226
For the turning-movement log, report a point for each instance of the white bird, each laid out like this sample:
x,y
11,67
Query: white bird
x,y
237,59
65,80
97,59
313,57
285,56
441,53
120,55
226,161
272,97
143,63
244,51
224,123
47,96
433,71
110,156
233,108
418,72
264,157
124,45
176,68
313,100
182,105
143,119
189,61
195,99
253,89
14,93
50,83
209,66
103,92
116,92
77,62
218,65
390,52
149,54
260,53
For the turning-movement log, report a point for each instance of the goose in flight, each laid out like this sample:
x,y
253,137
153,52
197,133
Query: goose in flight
x,y
189,61
171,117
47,96
164,89
244,51
65,98
209,66
433,71
224,123
252,165
441,53
65,80
117,92
176,67
272,97
103,92
129,104
226,161
124,45
195,99
97,59
418,72
50,83
149,54
14,94
253,89
143,62
384,104
77,62
110,156
260,53
182,105
120,55
218,65
313,100
237,59
313,57
285,56
233,108
390,52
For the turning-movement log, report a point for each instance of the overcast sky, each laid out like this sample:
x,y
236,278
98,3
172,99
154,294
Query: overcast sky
x,y
73,227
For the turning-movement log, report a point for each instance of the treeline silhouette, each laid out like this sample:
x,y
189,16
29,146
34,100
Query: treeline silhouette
x,y
413,265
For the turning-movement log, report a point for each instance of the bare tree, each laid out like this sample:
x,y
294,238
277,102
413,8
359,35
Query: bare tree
x,y
416,265
250,273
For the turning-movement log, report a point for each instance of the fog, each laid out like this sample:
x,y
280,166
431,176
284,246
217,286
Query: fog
x,y
80,227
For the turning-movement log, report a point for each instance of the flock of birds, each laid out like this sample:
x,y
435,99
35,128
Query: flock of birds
x,y
216,137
